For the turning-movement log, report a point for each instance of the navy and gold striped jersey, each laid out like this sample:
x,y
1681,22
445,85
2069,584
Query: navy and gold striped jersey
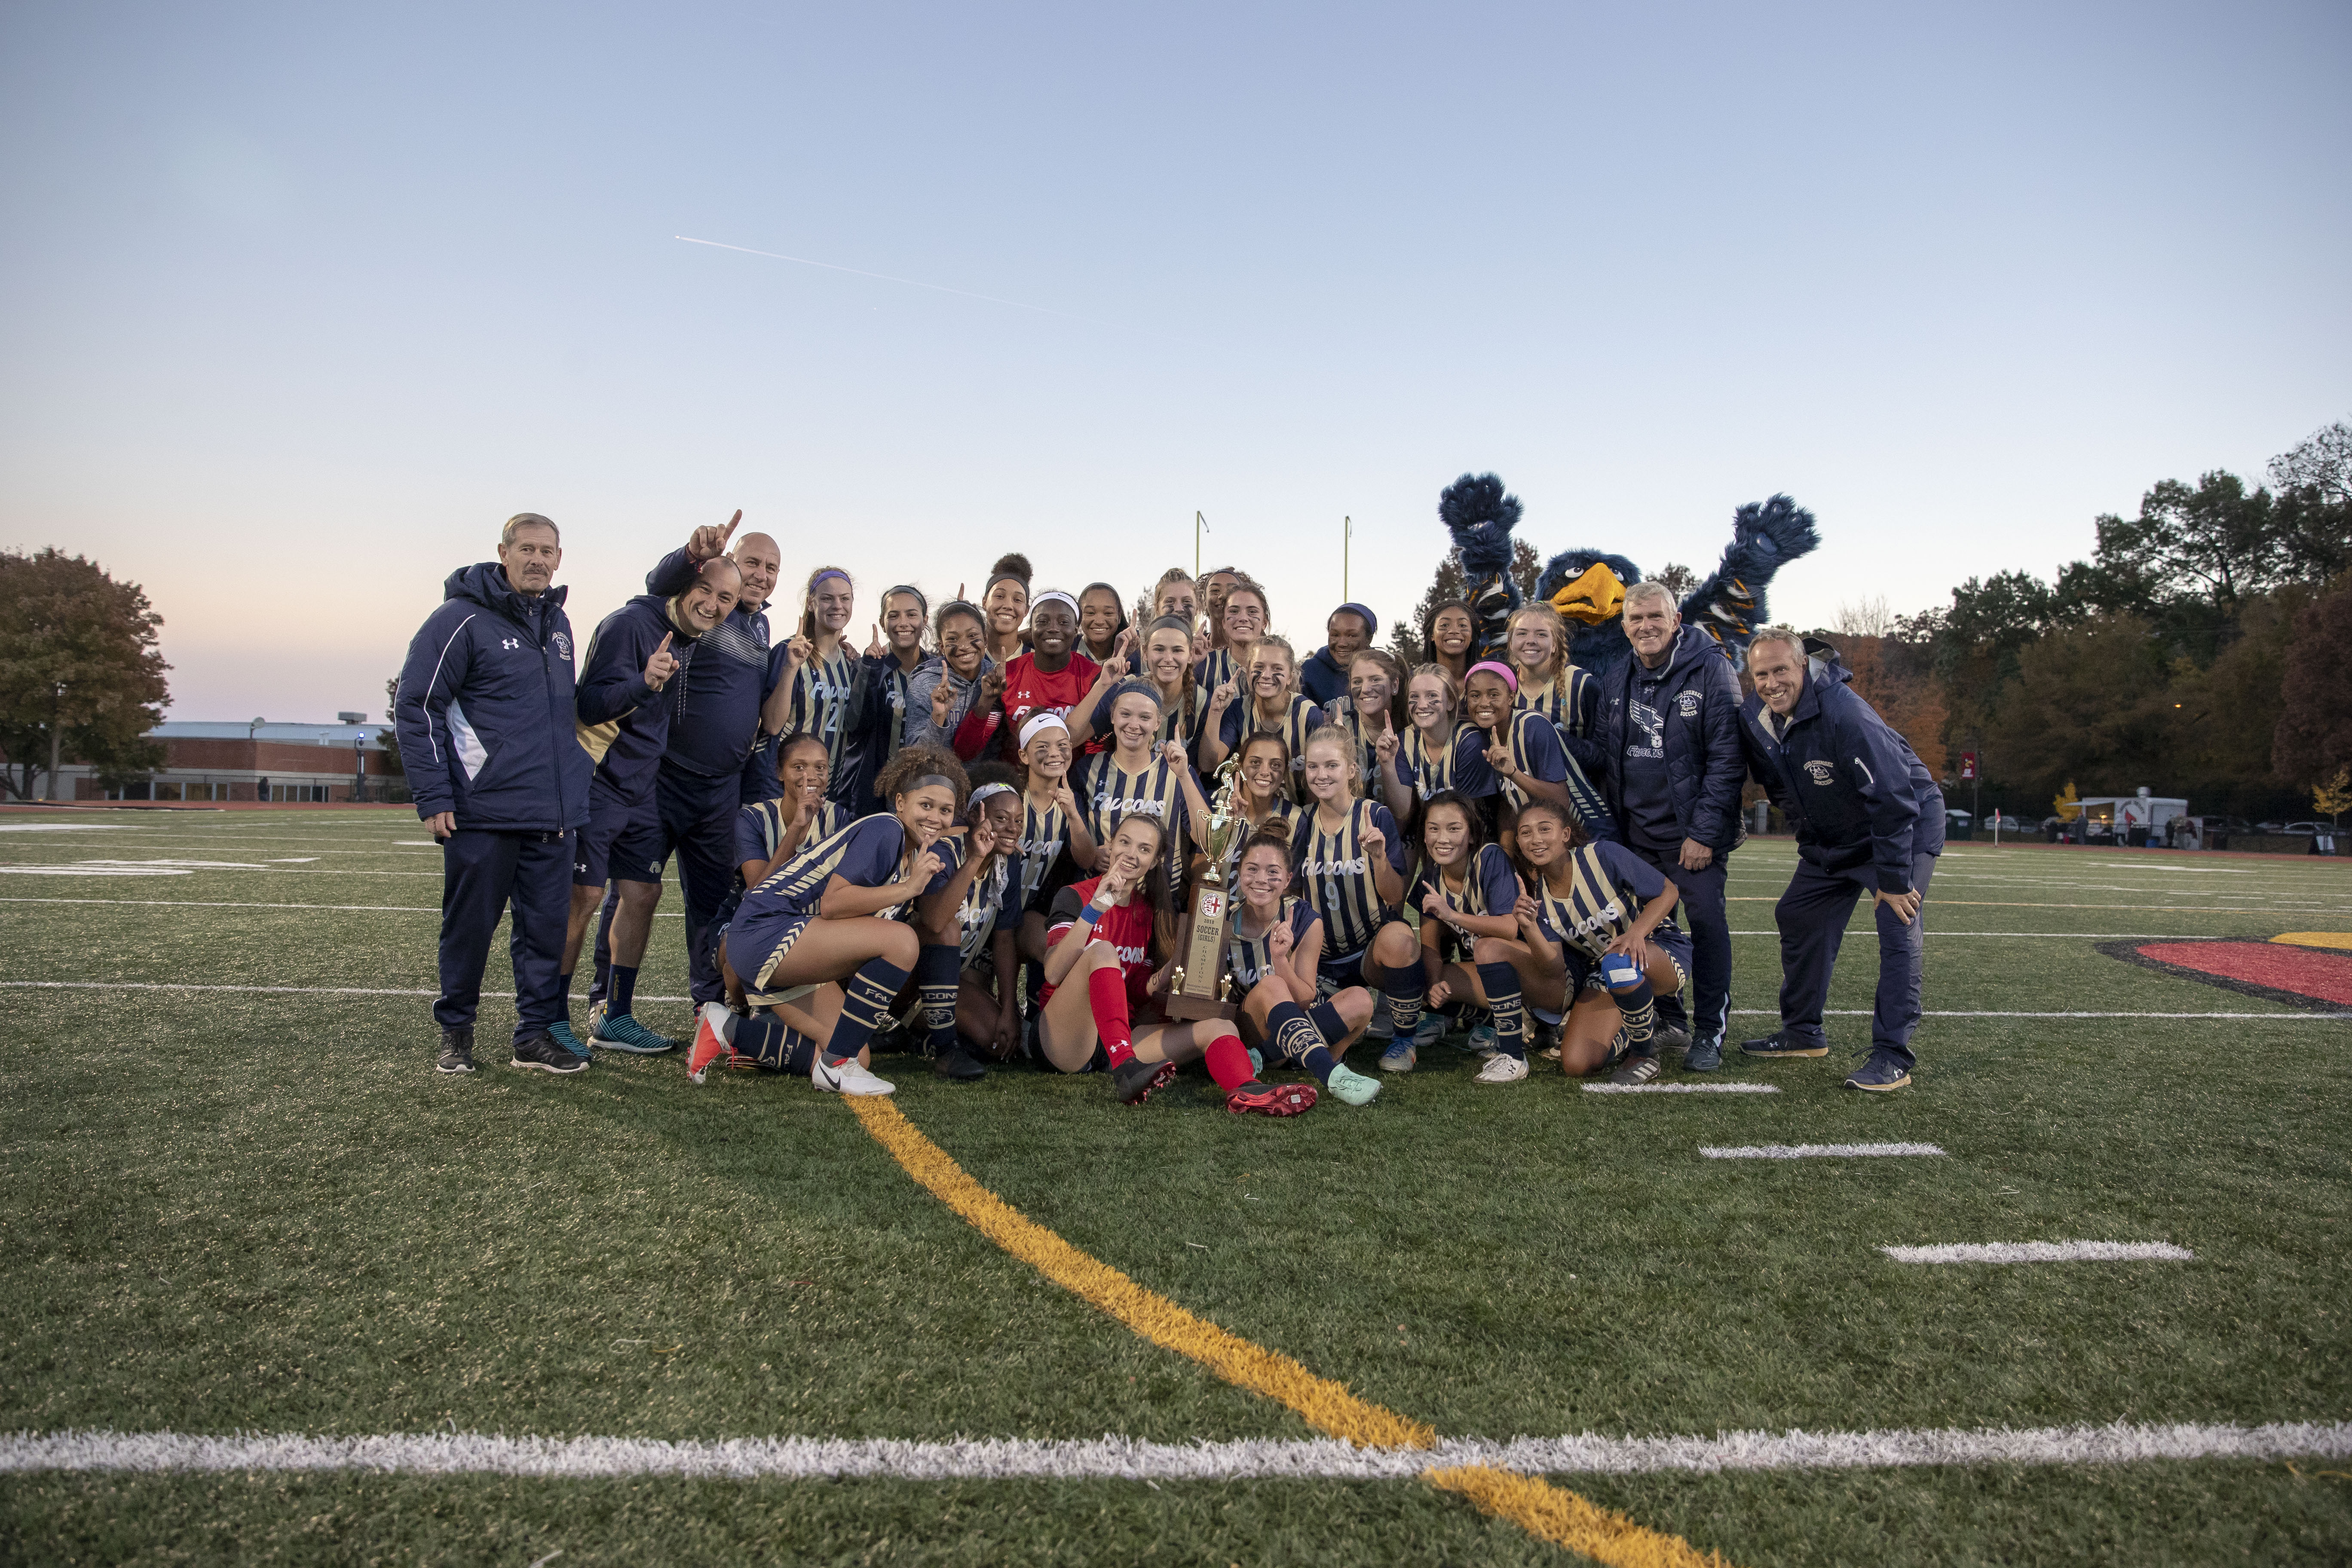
x,y
1279,813
1300,719
1106,793
1568,699
1536,751
1485,886
1249,958
1336,875
990,905
760,827
1607,886
1214,671
820,702
871,852
1341,712
1175,723
1461,767
1045,839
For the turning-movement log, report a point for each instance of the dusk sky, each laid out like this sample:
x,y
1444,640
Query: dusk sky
x,y
302,302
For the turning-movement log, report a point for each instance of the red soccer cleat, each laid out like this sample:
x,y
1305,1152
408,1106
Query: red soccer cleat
x,y
709,1039
1271,1099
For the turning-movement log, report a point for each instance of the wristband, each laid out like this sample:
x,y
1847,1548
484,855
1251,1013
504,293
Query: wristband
x,y
1090,914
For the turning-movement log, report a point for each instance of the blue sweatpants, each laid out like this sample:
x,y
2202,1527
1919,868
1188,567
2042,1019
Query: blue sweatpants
x,y
483,875
698,820
1813,916
1703,914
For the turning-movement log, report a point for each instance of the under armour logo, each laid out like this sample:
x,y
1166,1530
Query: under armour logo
x,y
508,642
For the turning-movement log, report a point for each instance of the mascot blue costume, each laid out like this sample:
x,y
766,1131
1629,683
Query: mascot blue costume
x,y
1588,587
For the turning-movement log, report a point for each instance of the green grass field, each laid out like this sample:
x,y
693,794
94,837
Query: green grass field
x,y
246,1210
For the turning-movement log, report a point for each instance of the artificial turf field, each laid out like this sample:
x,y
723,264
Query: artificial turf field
x,y
249,1210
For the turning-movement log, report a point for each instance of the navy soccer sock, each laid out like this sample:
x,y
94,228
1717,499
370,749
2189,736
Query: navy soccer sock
x,y
1291,1036
623,992
937,969
1502,984
1327,1023
867,1002
774,1045
1638,1008
1404,991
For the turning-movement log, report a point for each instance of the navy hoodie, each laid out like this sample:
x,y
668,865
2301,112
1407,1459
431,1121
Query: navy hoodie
x,y
1697,708
622,722
1851,784
1322,678
714,707
484,709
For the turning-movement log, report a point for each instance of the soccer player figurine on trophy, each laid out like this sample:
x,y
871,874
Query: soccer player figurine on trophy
x,y
1197,989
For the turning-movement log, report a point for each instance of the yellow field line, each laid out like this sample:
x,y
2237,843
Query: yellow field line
x,y
1533,1504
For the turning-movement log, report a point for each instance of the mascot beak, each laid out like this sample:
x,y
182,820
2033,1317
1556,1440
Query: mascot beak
x,y
1593,598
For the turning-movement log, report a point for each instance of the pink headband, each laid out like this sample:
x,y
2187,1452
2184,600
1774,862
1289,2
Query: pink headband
x,y
1489,665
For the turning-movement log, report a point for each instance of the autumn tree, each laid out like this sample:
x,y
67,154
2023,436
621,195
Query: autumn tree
x,y
80,672
2314,734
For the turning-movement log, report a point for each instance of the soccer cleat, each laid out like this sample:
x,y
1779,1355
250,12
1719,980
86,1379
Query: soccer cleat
x,y
1635,1070
1271,1099
1670,1037
1778,1044
1883,1073
1429,1030
540,1053
624,1033
957,1064
456,1051
597,1010
714,1032
1705,1054
1353,1088
561,1033
845,1077
1382,1026
1485,1041
1502,1068
1134,1080
1399,1057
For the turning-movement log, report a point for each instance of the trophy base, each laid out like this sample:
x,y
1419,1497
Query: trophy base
x,y
1192,1009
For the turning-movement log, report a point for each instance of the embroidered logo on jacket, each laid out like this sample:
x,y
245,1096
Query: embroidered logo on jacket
x,y
1821,772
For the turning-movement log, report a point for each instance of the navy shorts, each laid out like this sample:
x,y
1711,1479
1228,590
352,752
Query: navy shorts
x,y
621,840
1333,975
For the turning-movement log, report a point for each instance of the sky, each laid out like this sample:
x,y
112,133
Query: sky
x,y
302,302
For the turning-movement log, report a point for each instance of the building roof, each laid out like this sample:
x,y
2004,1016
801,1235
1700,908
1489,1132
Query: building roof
x,y
369,736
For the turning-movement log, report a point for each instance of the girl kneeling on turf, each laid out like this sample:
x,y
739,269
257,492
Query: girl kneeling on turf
x,y
1468,946
975,916
1273,942
1114,940
1597,917
1350,861
821,947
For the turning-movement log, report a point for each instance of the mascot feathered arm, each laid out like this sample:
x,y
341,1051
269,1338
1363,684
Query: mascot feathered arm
x,y
1480,517
1764,537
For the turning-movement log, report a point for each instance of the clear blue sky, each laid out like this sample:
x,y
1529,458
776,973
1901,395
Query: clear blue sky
x,y
302,302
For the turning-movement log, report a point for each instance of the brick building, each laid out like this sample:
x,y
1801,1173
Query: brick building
x,y
255,761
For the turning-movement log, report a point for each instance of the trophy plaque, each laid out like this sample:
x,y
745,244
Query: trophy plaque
x,y
1197,989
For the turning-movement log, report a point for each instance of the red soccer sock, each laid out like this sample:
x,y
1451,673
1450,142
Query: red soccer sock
x,y
1107,992
1228,1062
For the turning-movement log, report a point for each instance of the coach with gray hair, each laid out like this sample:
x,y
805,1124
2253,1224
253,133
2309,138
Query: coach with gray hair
x,y
484,718
1665,735
1869,817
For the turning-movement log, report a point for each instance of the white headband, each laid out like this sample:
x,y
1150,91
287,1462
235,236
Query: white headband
x,y
1042,721
1052,597
987,790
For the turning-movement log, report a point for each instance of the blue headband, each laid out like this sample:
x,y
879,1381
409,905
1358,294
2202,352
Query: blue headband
x,y
1371,621
828,572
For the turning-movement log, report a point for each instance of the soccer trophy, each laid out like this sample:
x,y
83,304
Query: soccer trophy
x,y
1197,989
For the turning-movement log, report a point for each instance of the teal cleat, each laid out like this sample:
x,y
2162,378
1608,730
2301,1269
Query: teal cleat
x,y
1353,1087
624,1033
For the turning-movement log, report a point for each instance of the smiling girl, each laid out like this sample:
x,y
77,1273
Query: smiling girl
x,y
1272,706
1240,617
1524,754
1447,636
1466,893
968,970
1350,859
1004,600
960,689
820,669
1274,944
1053,676
1166,663
1440,752
1142,776
1101,617
1372,707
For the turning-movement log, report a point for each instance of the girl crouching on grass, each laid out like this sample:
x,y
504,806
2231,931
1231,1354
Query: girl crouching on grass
x,y
1595,919
1114,942
820,947
975,916
1274,944
1467,948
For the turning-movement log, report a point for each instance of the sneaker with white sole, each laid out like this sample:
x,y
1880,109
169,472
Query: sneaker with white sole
x,y
714,1032
1485,1041
1635,1071
1397,1057
845,1077
622,1032
1382,1026
1502,1067
1429,1030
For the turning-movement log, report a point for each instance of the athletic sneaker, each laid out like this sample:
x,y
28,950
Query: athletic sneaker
x,y
1134,1080
1399,1057
958,1064
1257,1061
1778,1044
1502,1068
1485,1041
1429,1030
1353,1088
1382,1026
1635,1069
625,1033
561,1032
714,1030
1883,1073
845,1077
456,1051
1271,1099
1670,1037
541,1053
596,1014
1705,1054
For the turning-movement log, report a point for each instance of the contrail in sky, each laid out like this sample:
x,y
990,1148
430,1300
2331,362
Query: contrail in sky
x,y
885,277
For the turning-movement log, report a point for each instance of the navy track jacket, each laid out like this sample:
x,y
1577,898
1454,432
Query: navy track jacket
x,y
1856,792
484,710
714,704
622,722
1699,711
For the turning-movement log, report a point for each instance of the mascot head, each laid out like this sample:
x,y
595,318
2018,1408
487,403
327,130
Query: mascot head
x,y
1480,517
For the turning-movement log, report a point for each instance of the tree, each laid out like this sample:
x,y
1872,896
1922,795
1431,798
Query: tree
x,y
2321,463
2314,735
2090,703
1678,579
65,624
2315,503
1404,635
2334,796
1896,682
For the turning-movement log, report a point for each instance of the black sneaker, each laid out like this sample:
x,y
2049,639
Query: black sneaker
x,y
1883,1073
1635,1070
1778,1044
1705,1054
1134,1078
1671,1037
456,1051
542,1052
958,1064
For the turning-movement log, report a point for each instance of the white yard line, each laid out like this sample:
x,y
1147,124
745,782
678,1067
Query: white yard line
x,y
263,990
1112,1457
228,904
1818,1151
2039,1252
1864,1012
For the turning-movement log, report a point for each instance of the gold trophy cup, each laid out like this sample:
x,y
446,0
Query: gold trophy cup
x,y
1197,989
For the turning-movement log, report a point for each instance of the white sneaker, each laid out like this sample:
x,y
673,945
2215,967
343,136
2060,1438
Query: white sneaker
x,y
847,1077
1502,1068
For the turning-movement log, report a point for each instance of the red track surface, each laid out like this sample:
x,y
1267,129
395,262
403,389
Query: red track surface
x,y
2308,971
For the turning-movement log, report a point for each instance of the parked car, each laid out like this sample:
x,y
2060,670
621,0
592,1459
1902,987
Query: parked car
x,y
2304,829
2005,822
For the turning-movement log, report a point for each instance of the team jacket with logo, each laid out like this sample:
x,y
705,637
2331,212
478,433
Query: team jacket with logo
x,y
1856,792
484,709
622,722
714,706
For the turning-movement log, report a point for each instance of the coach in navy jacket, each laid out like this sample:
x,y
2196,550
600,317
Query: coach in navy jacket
x,y
1868,817
484,710
1664,744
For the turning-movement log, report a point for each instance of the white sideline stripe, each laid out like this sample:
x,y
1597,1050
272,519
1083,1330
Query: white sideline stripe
x,y
1817,1151
1864,1012
1681,1089
223,904
751,1459
2038,1252
275,989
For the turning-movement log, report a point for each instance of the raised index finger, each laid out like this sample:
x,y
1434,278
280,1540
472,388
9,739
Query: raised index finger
x,y
730,526
665,643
